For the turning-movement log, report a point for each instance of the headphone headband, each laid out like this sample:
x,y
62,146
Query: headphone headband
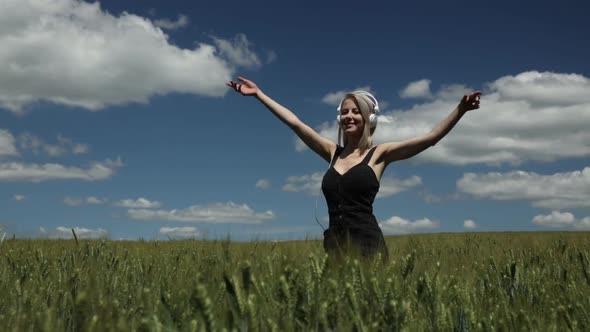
x,y
366,94
372,116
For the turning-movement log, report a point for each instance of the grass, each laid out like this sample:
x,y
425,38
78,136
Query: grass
x,y
434,282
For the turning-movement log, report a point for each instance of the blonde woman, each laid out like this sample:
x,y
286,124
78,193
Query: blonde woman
x,y
356,165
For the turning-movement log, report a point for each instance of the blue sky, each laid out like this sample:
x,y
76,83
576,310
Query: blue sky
x,y
115,119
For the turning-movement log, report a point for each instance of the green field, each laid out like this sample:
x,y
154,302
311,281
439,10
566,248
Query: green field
x,y
439,282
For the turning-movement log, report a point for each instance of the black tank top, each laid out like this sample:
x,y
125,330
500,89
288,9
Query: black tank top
x,y
350,199
350,195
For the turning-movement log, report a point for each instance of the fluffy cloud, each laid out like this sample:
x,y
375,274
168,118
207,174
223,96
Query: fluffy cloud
x,y
73,201
181,22
81,232
559,219
7,144
312,183
544,89
263,184
469,224
238,51
557,191
76,201
532,116
397,225
140,203
180,232
73,53
19,197
417,89
309,183
20,172
28,141
334,98
391,186
95,201
430,197
212,213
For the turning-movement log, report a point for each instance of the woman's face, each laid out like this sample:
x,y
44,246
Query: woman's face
x,y
351,119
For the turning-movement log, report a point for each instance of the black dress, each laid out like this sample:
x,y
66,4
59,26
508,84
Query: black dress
x,y
350,199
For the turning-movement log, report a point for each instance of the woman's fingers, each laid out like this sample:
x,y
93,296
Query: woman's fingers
x,y
471,100
235,85
243,80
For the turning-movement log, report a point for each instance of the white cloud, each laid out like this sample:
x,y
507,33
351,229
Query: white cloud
x,y
544,89
19,197
20,172
453,92
72,201
77,201
312,183
28,141
81,233
397,225
73,53
96,201
180,232
417,89
469,224
212,213
391,185
238,51
334,98
263,184
556,191
140,203
559,219
164,23
430,197
7,144
584,223
522,118
309,183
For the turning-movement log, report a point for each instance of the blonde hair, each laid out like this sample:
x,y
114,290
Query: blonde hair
x,y
366,107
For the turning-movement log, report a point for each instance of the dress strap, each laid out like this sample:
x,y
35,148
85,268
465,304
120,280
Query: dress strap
x,y
369,155
336,154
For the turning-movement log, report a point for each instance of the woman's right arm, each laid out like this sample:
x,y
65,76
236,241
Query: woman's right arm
x,y
320,145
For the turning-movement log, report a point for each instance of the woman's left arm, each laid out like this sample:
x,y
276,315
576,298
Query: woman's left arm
x,y
406,149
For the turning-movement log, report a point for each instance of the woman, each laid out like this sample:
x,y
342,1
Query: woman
x,y
352,181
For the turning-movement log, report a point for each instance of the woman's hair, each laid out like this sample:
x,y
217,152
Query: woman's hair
x,y
366,107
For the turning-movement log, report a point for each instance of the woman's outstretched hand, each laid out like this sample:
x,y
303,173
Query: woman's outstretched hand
x,y
244,86
470,102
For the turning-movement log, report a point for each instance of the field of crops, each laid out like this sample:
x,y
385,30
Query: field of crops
x,y
439,282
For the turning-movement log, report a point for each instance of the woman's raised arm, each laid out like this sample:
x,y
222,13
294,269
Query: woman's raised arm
x,y
402,150
320,145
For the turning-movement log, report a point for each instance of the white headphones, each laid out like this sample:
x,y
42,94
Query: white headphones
x,y
373,117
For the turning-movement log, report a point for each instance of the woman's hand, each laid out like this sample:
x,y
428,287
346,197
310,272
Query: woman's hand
x,y
470,102
244,86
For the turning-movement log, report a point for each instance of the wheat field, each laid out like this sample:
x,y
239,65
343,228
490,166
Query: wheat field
x,y
432,282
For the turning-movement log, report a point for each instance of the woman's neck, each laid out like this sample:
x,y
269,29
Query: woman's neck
x,y
352,146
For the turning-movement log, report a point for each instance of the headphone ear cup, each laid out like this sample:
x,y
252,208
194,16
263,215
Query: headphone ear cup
x,y
373,120
338,118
